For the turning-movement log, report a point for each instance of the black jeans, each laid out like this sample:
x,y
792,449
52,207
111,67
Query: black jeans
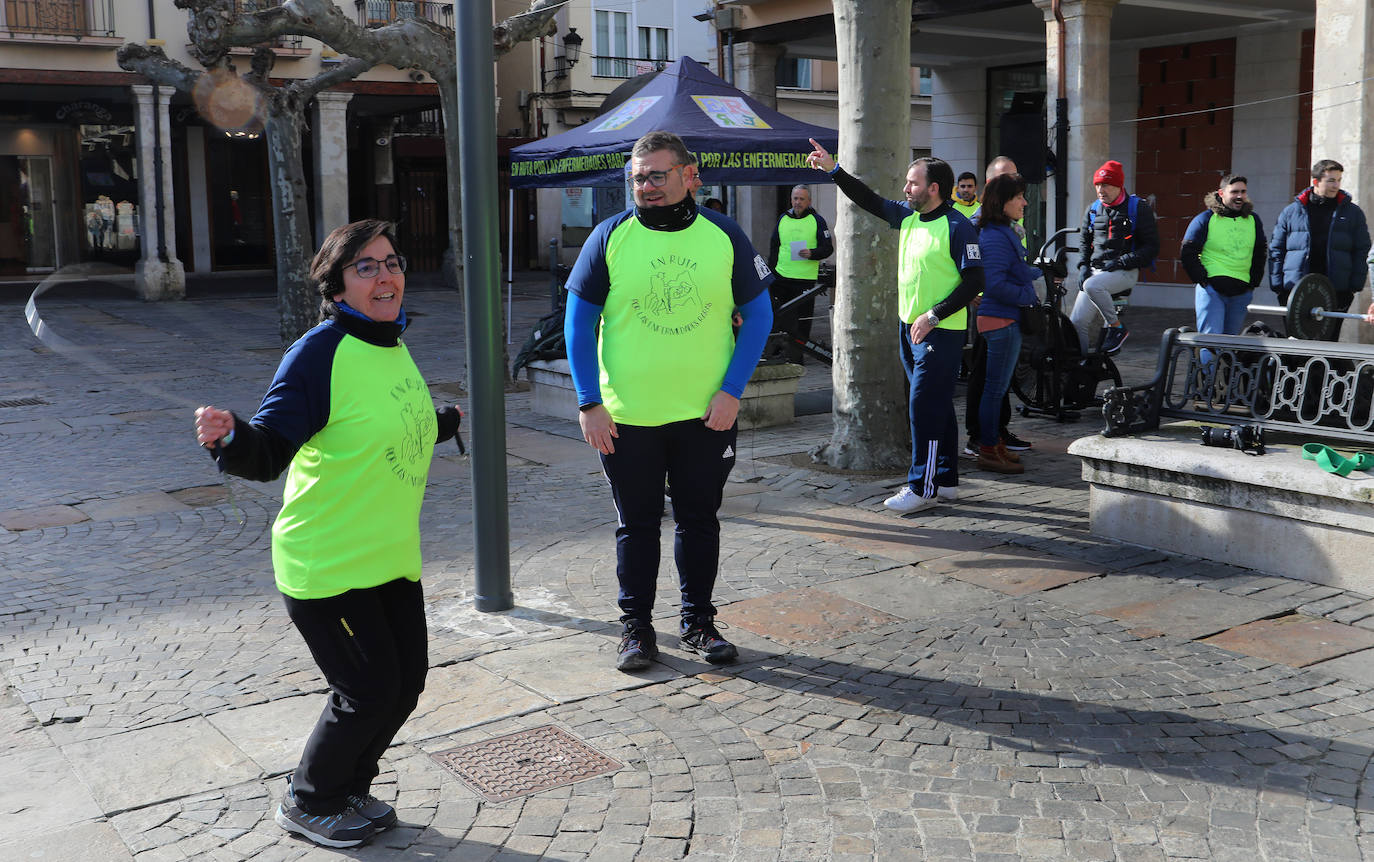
x,y
976,379
696,462
797,320
372,646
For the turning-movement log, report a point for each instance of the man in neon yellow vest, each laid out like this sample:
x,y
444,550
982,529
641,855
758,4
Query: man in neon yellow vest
x,y
965,198
939,271
800,241
659,374
1223,253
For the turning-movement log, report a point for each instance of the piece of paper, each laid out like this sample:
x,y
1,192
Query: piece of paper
x,y
798,246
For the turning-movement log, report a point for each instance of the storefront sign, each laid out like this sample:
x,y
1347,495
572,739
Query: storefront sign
x,y
84,112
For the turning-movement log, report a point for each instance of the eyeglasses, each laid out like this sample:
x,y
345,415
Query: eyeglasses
x,y
371,267
653,178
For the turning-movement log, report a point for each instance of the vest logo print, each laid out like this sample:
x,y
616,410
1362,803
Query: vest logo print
x,y
972,251
418,425
760,267
672,305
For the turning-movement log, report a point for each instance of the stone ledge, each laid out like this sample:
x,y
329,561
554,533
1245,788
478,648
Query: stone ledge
x,y
1274,512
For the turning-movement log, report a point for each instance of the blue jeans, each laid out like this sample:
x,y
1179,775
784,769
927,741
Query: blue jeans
x,y
1004,347
1217,314
932,369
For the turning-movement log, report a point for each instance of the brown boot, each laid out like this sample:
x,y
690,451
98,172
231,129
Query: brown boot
x,y
1006,454
988,459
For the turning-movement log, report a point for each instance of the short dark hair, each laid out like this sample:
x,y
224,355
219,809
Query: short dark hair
x,y
339,249
938,171
1325,165
999,190
967,175
1232,178
661,140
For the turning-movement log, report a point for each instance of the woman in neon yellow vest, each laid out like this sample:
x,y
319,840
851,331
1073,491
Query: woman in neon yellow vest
x,y
350,419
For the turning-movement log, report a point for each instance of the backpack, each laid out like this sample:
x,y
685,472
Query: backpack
x,y
1132,203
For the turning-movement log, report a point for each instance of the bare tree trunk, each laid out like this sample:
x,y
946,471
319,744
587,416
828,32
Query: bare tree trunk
x,y
297,305
870,408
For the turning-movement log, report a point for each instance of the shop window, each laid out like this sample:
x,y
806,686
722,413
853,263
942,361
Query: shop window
x,y
108,218
27,230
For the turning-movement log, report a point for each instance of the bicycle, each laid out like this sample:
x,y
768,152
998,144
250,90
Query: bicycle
x,y
1053,376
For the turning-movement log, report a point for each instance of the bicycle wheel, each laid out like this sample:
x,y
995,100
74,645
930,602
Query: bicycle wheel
x,y
1031,386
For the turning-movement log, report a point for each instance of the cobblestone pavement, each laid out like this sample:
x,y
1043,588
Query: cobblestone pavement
x,y
986,681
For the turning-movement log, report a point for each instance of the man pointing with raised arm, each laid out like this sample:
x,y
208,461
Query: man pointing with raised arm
x,y
939,271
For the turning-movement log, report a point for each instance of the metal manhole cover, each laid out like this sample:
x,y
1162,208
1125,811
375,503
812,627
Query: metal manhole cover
x,y
22,402
525,762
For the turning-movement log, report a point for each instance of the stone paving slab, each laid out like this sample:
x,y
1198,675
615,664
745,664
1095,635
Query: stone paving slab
x,y
570,668
40,793
912,594
877,533
85,842
1014,572
806,616
465,694
141,767
132,506
41,517
1356,666
1192,613
272,734
1112,590
552,450
1295,640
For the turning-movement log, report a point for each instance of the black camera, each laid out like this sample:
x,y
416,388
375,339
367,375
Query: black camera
x,y
1246,438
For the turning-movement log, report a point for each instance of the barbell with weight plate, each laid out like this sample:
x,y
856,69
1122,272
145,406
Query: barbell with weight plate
x,y
1306,315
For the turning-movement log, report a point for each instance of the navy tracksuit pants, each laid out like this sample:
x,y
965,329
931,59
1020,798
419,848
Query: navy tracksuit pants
x,y
932,370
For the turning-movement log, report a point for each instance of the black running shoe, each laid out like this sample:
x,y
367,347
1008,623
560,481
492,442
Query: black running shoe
x,y
1014,443
348,828
383,816
638,646
699,635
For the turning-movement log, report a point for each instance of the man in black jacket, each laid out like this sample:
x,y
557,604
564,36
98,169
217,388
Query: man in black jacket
x,y
800,241
1119,237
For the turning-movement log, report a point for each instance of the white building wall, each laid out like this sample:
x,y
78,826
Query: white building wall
x,y
958,105
1265,136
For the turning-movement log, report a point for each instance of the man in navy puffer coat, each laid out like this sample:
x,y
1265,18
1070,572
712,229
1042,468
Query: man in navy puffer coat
x,y
1321,231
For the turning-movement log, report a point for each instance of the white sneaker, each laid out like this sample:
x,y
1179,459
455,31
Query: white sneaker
x,y
947,492
907,501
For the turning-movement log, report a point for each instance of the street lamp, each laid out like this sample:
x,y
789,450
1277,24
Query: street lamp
x,y
572,52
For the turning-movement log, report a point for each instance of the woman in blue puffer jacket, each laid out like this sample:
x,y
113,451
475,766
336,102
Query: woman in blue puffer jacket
x,y
1009,285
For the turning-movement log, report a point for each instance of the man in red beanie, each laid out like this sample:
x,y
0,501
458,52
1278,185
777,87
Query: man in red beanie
x,y
1119,237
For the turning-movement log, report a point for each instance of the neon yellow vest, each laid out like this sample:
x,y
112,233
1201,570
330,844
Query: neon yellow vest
x,y
967,210
791,230
350,515
665,338
926,273
1230,246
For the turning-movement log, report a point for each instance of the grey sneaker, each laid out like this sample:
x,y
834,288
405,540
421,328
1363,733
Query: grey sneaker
x,y
348,828
383,816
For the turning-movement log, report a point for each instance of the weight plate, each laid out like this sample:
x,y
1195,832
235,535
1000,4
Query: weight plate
x,y
1312,291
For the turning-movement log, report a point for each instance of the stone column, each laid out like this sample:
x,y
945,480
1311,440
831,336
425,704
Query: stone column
x,y
1344,94
756,73
156,279
1087,63
329,135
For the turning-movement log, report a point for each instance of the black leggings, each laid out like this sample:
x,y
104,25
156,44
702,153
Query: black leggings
x,y
372,646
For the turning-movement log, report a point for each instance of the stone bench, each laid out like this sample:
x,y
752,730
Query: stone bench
x,y
1274,512
768,400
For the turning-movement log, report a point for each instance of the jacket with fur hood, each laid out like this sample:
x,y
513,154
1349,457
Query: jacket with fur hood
x,y
1195,240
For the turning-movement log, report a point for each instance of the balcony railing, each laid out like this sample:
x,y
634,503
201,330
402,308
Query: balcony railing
x,y
289,42
427,122
379,13
71,18
626,67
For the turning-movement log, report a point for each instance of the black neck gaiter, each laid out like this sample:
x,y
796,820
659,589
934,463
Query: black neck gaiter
x,y
672,217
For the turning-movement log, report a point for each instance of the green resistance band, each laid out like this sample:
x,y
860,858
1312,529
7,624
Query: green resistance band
x,y
1334,462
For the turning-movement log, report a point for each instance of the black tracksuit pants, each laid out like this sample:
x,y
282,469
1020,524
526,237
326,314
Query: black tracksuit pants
x,y
372,646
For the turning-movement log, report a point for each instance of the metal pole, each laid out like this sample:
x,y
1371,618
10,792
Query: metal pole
x,y
482,257
553,273
510,261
